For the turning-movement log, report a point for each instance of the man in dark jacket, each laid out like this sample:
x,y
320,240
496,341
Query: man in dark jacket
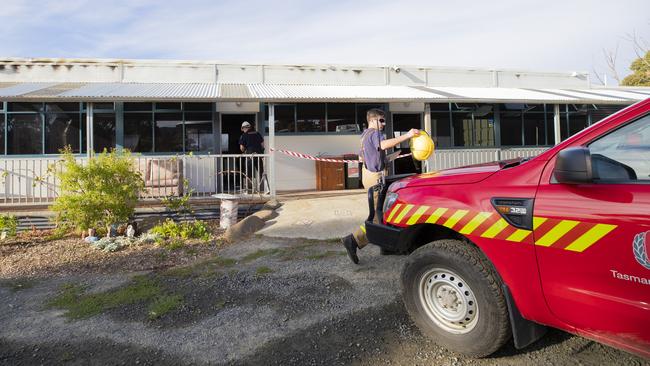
x,y
252,142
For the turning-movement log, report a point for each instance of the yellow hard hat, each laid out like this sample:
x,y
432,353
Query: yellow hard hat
x,y
421,146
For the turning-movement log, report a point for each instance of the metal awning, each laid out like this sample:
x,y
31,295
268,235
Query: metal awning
x,y
29,91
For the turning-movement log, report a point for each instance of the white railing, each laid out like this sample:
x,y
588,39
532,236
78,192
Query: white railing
x,y
452,158
32,180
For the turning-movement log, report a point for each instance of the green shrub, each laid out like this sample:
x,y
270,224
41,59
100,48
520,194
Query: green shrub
x,y
180,203
100,193
8,223
185,230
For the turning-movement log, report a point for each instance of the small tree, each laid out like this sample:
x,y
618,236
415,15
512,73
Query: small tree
x,y
640,72
100,193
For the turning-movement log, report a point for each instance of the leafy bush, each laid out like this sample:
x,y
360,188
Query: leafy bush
x,y
100,193
8,223
184,230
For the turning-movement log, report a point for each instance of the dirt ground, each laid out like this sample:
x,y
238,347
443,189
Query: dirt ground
x,y
260,302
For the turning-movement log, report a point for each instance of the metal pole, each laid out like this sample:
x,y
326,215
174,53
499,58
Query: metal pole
x,y
427,128
556,124
272,148
89,130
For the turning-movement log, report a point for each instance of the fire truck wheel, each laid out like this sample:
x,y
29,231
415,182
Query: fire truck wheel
x,y
453,294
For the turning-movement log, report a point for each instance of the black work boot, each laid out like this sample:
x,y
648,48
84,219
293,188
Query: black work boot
x,y
351,246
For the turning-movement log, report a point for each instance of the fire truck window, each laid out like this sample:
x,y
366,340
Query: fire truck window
x,y
628,146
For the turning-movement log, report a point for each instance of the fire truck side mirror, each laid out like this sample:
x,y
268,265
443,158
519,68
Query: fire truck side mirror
x,y
573,166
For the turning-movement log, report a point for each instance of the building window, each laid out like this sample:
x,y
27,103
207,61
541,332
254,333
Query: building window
x,y
535,125
522,124
169,131
198,131
25,133
310,117
440,124
138,127
341,118
285,118
103,131
473,125
3,122
62,127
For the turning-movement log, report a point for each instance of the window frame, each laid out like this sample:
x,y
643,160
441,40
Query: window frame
x,y
598,138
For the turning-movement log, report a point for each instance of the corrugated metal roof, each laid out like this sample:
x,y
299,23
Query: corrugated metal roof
x,y
340,92
144,91
19,89
287,93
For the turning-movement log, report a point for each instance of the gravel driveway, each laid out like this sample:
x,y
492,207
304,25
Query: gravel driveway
x,y
261,302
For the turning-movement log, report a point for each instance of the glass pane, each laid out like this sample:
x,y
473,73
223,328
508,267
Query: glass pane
x,y
534,129
61,130
25,134
310,117
625,153
138,129
284,118
168,105
2,133
510,128
483,131
103,131
61,107
340,117
137,107
577,122
198,107
169,132
439,107
103,106
603,111
462,132
24,107
198,131
441,129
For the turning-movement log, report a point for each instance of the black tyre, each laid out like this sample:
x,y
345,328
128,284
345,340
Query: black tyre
x,y
454,296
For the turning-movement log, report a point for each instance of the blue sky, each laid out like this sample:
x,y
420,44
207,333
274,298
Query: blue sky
x,y
547,35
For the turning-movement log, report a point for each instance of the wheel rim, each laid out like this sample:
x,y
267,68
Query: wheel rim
x,y
448,301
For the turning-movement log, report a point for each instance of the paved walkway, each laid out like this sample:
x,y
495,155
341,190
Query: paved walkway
x,y
318,217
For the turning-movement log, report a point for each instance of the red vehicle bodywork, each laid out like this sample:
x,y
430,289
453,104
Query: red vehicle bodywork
x,y
586,280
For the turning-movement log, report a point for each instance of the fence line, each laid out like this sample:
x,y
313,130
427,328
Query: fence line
x,y
29,181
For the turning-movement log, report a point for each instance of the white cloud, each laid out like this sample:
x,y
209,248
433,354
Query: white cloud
x,y
548,35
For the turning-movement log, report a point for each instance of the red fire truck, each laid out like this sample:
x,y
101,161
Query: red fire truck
x,y
505,249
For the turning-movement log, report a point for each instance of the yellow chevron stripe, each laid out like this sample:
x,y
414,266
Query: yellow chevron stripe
x,y
363,228
475,222
401,215
556,233
417,214
455,218
436,215
521,234
538,221
495,229
590,237
393,211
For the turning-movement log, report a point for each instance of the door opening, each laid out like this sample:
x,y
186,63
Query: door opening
x,y
402,123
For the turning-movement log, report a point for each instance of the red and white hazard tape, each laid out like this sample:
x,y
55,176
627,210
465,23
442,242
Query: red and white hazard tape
x,y
315,158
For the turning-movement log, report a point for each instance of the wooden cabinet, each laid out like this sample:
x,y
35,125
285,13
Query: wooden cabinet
x,y
330,176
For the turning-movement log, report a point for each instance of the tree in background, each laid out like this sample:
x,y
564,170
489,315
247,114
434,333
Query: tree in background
x,y
640,67
640,72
